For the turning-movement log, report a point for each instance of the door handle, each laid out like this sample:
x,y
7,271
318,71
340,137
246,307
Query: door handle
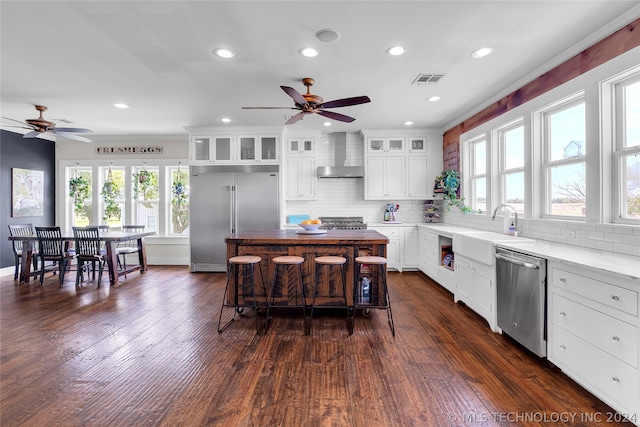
x,y
517,261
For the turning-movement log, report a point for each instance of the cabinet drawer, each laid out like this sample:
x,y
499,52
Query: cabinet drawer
x,y
614,336
602,292
430,237
389,232
609,375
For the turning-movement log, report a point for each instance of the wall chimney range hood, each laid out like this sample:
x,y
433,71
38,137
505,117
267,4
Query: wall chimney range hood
x,y
339,170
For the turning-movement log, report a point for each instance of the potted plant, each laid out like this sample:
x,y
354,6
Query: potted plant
x,y
448,184
144,183
110,190
80,190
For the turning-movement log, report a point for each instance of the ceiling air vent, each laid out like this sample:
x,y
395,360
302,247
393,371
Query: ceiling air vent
x,y
427,79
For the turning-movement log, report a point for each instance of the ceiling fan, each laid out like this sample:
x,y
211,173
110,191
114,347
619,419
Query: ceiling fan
x,y
309,103
40,125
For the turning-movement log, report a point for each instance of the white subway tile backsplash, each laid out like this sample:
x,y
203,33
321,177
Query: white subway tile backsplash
x,y
604,246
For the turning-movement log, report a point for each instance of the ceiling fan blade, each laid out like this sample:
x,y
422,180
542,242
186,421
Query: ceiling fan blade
x,y
71,130
335,116
270,108
296,118
299,99
345,102
31,134
14,120
72,136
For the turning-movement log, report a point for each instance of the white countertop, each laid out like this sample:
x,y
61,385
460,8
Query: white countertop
x,y
626,266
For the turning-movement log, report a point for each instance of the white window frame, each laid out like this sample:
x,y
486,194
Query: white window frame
x,y
65,203
547,163
502,171
468,171
619,147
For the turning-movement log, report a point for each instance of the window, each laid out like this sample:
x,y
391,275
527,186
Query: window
x,y
627,150
131,192
511,170
478,174
146,195
564,159
112,196
179,214
80,206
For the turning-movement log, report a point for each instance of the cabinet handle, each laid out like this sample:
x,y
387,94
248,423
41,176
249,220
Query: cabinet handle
x,y
562,280
563,314
615,298
563,347
616,380
615,338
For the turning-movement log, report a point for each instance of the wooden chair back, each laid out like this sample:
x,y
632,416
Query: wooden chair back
x,y
19,230
50,243
87,241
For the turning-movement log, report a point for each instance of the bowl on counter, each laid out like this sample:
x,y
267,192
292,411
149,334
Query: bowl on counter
x,y
310,227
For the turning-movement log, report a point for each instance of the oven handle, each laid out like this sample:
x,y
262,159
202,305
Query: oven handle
x,y
517,261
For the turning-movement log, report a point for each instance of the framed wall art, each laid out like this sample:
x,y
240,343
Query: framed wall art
x,y
27,198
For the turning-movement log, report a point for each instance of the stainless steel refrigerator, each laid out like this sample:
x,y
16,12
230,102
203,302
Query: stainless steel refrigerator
x,y
229,199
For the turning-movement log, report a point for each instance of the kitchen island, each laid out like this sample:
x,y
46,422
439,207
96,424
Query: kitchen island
x,y
268,244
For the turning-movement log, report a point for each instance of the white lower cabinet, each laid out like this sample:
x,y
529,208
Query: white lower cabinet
x,y
476,287
410,249
594,333
394,247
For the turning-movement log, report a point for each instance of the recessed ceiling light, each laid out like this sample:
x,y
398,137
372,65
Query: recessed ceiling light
x,y
226,119
327,35
433,98
396,50
121,105
482,52
309,52
408,123
327,123
224,53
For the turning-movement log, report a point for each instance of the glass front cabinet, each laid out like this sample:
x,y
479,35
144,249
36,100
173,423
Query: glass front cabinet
x,y
211,149
257,149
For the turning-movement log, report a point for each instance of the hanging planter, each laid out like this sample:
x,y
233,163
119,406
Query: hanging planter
x,y
110,191
79,190
179,203
448,184
145,184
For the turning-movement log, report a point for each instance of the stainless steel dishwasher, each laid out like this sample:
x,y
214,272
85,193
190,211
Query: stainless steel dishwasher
x,y
522,298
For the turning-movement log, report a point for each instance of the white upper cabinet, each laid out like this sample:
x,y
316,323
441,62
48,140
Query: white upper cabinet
x,y
417,145
301,146
211,149
380,145
257,149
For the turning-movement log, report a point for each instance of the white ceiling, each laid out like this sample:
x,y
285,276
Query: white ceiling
x,y
80,57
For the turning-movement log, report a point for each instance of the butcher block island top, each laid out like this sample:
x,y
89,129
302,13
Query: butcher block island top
x,y
292,237
269,244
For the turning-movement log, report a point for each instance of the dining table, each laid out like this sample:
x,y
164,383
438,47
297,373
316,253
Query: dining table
x,y
110,239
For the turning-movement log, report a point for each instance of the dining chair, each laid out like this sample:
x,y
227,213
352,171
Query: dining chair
x,y
51,247
130,246
87,242
21,230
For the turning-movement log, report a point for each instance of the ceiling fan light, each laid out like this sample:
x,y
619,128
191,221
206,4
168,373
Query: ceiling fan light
x,y
309,52
482,52
396,50
224,53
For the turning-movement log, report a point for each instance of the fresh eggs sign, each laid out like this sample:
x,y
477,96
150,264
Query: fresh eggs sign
x,y
129,150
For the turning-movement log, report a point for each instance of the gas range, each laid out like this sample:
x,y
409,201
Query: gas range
x,y
343,223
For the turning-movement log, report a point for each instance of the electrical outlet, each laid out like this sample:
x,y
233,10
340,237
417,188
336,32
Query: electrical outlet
x,y
571,234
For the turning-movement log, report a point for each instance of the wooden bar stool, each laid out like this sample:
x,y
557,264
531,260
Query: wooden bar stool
x,y
245,293
363,299
283,263
325,263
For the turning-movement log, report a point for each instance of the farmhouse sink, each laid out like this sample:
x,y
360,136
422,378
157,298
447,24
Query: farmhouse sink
x,y
478,245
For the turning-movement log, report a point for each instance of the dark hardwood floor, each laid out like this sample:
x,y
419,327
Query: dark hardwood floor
x,y
147,352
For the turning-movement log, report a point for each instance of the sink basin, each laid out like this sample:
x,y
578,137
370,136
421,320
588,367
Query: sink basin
x,y
478,245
